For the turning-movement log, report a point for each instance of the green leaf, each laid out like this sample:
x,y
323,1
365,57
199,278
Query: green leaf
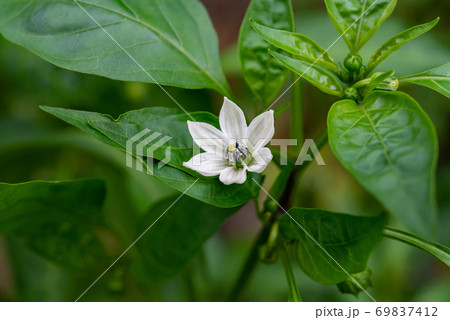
x,y
397,41
437,79
58,220
318,77
390,146
301,46
439,251
170,124
358,20
80,119
173,40
177,236
210,191
167,122
264,74
347,239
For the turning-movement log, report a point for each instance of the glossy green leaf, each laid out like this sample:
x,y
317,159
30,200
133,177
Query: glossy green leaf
x,y
390,146
397,41
264,74
301,46
177,236
167,122
333,242
438,250
174,41
80,119
437,79
358,20
170,126
318,77
210,191
58,220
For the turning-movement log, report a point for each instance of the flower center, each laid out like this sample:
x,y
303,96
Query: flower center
x,y
238,154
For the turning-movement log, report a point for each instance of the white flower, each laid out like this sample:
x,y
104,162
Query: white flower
x,y
235,149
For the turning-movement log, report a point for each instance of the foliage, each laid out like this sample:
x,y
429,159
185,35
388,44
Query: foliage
x,y
382,137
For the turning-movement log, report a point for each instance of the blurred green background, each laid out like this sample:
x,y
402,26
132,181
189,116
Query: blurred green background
x,y
37,146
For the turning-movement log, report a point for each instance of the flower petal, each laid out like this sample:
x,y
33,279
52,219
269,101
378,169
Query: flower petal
x,y
207,164
260,131
232,175
232,120
208,137
261,159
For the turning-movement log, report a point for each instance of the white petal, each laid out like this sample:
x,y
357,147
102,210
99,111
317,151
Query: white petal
x,y
208,137
207,164
261,159
232,120
260,131
233,175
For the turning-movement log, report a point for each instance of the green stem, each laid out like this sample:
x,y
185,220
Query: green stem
x,y
439,251
249,266
294,295
297,114
259,212
320,141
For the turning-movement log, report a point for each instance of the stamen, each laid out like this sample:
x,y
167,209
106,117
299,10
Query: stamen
x,y
238,154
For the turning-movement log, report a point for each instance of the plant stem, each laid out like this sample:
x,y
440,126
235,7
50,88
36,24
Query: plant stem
x,y
292,183
297,114
249,266
320,141
294,295
259,212
439,251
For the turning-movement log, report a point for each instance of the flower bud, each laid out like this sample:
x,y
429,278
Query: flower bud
x,y
393,84
353,62
271,205
351,93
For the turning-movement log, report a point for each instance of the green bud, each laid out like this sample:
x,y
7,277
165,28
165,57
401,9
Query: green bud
x,y
349,286
393,84
271,205
351,93
353,62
